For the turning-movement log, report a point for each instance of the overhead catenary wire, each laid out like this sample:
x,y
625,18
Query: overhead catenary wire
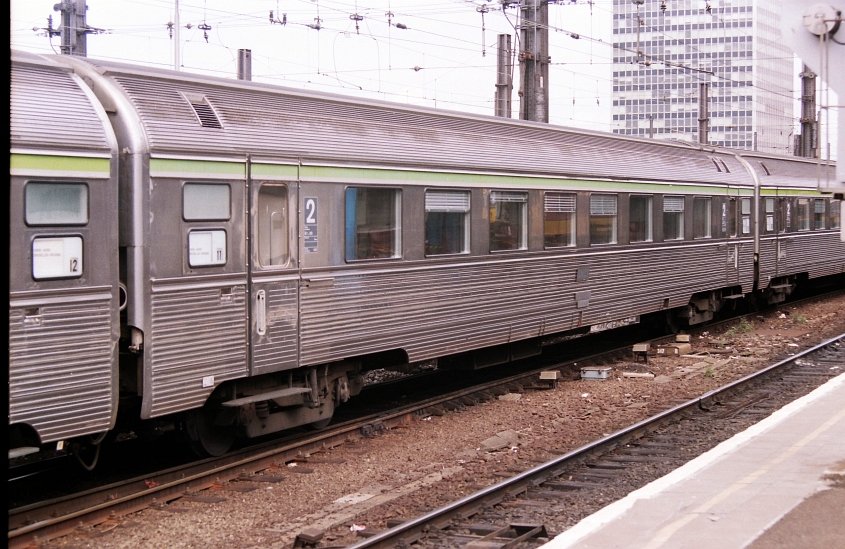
x,y
247,23
439,18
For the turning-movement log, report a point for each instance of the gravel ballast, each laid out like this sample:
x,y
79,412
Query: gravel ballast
x,y
437,459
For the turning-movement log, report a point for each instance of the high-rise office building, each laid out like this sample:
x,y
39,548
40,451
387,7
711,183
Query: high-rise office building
x,y
664,50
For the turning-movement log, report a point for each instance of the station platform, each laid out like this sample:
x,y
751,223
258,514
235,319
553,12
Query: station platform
x,y
778,484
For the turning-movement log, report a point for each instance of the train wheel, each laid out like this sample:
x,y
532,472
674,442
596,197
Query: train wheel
x,y
208,436
318,425
87,452
327,410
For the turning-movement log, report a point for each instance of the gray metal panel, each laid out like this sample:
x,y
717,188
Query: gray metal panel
x,y
431,312
284,123
198,330
57,379
768,259
48,108
812,253
276,350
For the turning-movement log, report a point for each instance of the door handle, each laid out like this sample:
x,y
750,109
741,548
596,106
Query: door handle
x,y
260,312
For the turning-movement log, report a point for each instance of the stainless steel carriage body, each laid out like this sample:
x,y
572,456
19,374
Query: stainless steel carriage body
x,y
199,325
63,264
798,226
235,242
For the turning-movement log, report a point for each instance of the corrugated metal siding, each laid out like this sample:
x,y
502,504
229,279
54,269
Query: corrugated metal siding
x,y
431,312
277,349
194,334
62,372
815,254
292,124
47,108
768,259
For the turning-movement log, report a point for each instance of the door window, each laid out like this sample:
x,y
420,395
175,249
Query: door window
x,y
271,226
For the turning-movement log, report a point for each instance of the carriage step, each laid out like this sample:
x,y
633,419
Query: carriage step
x,y
15,453
781,286
281,393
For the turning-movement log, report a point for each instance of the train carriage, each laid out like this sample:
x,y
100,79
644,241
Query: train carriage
x,y
798,226
63,266
275,244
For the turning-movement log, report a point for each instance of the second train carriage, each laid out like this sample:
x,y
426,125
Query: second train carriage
x,y
63,263
799,228
274,244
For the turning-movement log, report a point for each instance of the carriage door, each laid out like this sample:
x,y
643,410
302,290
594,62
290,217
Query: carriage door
x,y
783,225
273,277
730,221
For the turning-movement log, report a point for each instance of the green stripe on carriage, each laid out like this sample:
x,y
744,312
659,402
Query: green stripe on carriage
x,y
375,175
287,171
159,166
46,162
791,192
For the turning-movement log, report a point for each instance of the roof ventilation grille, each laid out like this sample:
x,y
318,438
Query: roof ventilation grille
x,y
720,164
204,111
718,168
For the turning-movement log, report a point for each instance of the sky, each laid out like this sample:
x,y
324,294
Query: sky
x,y
436,53
445,57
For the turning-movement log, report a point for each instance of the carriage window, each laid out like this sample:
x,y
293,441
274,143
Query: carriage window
x,y
205,202
770,215
640,218
731,221
559,220
785,214
803,214
745,215
446,222
818,213
271,226
673,217
508,220
835,214
56,257
701,215
56,203
602,219
206,248
372,223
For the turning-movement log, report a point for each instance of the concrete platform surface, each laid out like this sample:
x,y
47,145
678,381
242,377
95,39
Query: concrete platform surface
x,y
780,483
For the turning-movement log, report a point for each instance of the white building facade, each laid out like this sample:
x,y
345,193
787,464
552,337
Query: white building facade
x,y
664,50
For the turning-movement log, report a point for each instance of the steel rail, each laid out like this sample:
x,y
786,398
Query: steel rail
x,y
412,529
43,520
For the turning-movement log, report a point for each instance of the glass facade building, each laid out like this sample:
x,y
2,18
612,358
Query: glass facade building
x,y
663,51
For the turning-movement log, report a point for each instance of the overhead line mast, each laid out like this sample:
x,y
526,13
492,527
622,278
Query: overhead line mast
x,y
534,60
74,30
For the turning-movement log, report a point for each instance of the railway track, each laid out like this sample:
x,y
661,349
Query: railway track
x,y
531,507
247,468
60,515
